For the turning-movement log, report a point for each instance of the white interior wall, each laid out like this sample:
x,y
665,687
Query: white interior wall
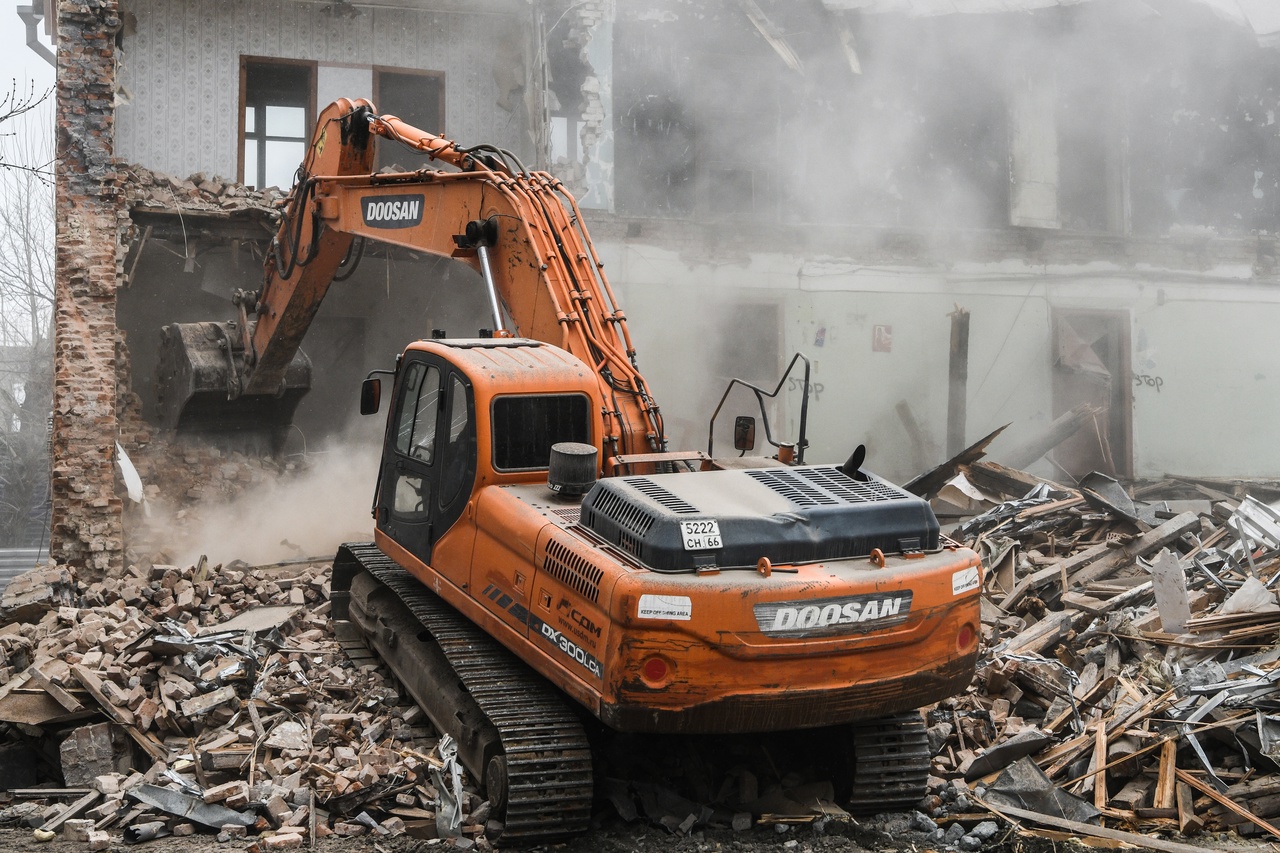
x,y
180,71
342,81
1207,342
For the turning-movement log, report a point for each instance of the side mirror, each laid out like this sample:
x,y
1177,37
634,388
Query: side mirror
x,y
744,433
370,396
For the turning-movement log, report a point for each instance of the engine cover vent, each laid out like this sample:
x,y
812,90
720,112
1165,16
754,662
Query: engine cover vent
x,y
572,570
823,486
679,522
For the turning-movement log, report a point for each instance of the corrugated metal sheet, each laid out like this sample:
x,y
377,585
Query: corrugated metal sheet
x,y
16,561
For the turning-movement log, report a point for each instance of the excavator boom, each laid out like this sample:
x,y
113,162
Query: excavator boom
x,y
520,229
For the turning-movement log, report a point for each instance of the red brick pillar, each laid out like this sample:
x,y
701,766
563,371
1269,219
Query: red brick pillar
x,y
86,516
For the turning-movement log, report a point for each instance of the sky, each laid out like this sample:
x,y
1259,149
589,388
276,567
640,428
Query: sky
x,y
17,61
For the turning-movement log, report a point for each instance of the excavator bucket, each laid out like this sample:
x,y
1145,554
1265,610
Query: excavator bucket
x,y
197,383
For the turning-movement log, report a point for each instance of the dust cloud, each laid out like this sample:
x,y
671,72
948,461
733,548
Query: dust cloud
x,y
308,511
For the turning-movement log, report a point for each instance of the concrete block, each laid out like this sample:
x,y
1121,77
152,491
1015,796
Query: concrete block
x,y
77,829
86,754
282,841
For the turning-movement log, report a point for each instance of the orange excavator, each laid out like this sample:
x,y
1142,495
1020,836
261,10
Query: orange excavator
x,y
542,564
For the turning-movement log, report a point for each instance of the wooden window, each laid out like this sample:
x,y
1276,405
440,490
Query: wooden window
x,y
277,100
416,97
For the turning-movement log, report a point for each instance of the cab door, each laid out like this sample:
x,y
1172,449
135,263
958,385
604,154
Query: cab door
x,y
408,459
428,462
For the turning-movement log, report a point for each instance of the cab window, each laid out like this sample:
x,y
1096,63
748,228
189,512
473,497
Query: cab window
x,y
525,427
416,427
459,445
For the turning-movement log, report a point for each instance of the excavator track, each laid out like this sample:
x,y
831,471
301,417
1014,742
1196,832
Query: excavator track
x,y
891,764
543,777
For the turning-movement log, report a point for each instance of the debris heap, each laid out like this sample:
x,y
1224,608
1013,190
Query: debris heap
x,y
170,700
1132,652
1127,686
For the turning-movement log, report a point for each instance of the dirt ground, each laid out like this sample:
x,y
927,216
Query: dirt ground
x,y
614,836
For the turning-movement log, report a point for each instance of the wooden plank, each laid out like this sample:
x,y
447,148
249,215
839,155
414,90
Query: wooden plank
x,y
1166,534
76,808
1165,794
59,695
45,793
1230,805
1049,508
1040,636
1188,823
1100,561
1074,826
93,684
1100,762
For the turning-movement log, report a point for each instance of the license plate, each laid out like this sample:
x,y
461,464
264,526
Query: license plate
x,y
701,535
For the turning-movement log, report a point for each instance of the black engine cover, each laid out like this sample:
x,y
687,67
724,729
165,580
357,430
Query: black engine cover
x,y
681,522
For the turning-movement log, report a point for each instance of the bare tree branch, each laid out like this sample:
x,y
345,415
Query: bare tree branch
x,y
15,103
26,315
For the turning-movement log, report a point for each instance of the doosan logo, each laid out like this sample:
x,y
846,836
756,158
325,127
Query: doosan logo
x,y
392,211
833,615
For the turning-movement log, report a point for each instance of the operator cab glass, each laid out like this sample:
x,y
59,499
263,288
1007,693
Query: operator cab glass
x,y
525,427
429,463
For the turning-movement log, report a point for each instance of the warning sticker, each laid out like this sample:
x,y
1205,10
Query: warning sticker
x,y
965,580
665,607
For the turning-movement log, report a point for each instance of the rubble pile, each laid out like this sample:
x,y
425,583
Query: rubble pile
x,y
148,190
1127,687
1132,652
171,700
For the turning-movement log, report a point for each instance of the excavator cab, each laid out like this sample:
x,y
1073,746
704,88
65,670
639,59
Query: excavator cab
x,y
470,412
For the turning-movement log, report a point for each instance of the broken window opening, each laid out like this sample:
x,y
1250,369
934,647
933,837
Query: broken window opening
x,y
278,110
415,97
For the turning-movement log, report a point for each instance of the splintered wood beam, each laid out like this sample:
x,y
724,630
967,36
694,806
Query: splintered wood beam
x,y
1164,798
1188,823
1227,803
1146,842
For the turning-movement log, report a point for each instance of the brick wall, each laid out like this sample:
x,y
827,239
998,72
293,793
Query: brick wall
x,y
86,526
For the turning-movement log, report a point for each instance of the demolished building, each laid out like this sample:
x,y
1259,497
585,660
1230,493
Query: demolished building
x,y
834,176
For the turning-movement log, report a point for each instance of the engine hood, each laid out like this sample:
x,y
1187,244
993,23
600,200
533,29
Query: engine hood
x,y
683,522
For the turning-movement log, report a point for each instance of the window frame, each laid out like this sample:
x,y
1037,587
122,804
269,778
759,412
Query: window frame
x,y
438,76
309,121
494,444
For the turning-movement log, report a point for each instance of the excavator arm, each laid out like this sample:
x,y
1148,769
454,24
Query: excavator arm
x,y
520,229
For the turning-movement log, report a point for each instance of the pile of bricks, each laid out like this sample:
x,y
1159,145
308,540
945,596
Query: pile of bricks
x,y
148,190
174,700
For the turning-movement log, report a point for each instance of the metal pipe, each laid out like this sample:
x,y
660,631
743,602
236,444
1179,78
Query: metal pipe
x,y
482,252
32,16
